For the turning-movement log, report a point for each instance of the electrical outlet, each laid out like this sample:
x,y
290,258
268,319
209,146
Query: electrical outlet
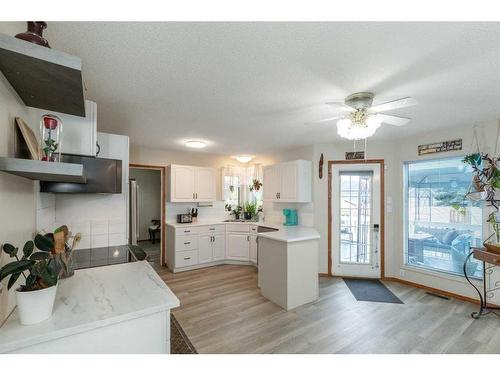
x,y
401,273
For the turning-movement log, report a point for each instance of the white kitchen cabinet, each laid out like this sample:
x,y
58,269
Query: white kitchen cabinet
x,y
288,182
219,247
238,246
191,184
79,134
205,248
205,185
253,248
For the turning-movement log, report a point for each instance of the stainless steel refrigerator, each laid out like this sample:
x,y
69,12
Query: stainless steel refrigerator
x,y
134,211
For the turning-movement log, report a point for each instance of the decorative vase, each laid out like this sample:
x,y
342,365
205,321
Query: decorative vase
x,y
248,216
35,306
50,140
34,33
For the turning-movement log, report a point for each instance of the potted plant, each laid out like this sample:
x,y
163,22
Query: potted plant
x,y
256,185
485,178
35,298
250,210
63,251
237,212
492,243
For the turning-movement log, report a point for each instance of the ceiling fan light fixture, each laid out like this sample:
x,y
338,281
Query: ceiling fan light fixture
x,y
355,129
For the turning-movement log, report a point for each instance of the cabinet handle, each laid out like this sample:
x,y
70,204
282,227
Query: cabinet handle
x,y
193,195
187,243
196,195
213,238
187,231
211,228
187,258
248,238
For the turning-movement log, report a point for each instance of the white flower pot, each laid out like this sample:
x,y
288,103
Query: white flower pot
x,y
36,306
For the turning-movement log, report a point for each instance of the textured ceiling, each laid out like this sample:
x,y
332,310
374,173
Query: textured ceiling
x,y
251,87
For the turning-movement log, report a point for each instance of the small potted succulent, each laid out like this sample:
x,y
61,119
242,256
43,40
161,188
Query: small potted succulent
x,y
35,298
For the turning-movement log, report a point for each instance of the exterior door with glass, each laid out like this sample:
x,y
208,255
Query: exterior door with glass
x,y
356,219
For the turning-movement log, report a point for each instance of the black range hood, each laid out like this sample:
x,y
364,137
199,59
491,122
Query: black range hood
x,y
102,176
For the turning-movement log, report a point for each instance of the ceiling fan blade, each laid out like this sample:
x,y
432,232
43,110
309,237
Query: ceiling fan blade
x,y
340,106
400,103
325,120
392,120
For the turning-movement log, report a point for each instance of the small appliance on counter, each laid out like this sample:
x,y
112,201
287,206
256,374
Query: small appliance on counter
x,y
194,215
184,218
291,217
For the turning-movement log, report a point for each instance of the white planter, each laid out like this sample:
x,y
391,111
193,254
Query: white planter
x,y
36,306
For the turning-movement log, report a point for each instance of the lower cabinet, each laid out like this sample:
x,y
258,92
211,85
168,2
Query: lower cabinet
x,y
238,246
211,247
253,249
194,246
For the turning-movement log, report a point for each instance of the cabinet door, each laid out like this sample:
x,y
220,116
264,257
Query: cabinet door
x,y
288,183
253,249
271,183
205,185
238,246
182,183
205,251
219,247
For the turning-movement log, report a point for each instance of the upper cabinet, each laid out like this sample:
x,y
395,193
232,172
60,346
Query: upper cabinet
x,y
288,182
191,184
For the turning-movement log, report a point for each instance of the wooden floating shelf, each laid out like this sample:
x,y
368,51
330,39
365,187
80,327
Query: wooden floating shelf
x,y
43,170
42,77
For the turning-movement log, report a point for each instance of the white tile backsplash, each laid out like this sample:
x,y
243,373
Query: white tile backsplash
x,y
116,226
99,227
84,242
82,227
117,239
99,240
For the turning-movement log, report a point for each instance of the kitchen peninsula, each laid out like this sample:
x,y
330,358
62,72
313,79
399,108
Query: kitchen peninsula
x,y
122,308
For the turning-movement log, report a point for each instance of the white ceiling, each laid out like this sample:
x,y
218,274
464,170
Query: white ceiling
x,y
251,87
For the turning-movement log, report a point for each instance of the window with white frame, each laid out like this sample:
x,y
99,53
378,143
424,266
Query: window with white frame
x,y
440,223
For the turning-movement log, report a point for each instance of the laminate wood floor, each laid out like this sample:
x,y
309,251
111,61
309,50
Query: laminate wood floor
x,y
222,311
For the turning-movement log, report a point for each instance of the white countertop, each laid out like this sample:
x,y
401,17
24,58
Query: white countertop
x,y
93,298
284,233
292,234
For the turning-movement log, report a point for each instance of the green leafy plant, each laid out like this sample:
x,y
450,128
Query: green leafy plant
x,y
492,220
256,185
50,147
251,208
35,267
237,212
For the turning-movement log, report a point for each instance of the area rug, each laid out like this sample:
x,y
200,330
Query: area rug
x,y
179,342
370,290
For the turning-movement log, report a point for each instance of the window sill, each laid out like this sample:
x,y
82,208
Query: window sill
x,y
440,275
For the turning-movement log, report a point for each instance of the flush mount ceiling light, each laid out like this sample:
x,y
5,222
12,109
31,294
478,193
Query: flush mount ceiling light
x,y
243,158
195,144
360,119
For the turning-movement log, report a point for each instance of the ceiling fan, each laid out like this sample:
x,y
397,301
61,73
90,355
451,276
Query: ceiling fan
x,y
359,119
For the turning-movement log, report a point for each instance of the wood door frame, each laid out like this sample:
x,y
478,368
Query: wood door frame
x,y
163,232
381,162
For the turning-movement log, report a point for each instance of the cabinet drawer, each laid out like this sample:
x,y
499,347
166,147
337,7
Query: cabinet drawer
x,y
212,229
186,258
186,231
238,227
183,243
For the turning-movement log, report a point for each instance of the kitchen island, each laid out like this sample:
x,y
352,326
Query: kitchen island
x,y
122,308
288,266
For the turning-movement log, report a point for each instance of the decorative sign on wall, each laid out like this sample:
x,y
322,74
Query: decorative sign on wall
x,y
444,146
354,155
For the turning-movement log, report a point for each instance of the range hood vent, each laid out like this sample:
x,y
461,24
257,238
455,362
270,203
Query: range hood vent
x,y
42,77
102,176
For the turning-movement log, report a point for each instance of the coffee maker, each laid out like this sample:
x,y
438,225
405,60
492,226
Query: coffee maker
x,y
291,217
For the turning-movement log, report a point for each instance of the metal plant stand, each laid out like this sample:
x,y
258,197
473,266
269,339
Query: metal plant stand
x,y
490,262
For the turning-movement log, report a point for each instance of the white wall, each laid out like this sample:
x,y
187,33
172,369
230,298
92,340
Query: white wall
x,y
395,153
149,181
17,194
